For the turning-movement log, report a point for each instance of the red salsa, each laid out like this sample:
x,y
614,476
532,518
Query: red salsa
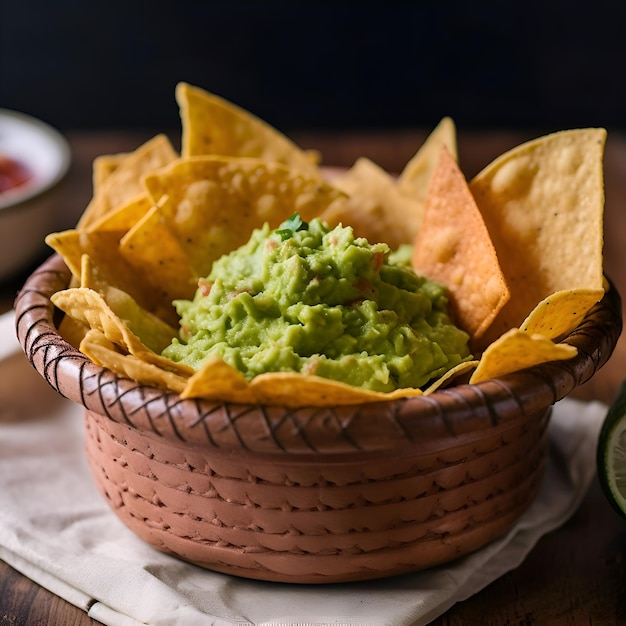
x,y
12,173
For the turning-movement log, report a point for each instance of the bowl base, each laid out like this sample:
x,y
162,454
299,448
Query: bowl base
x,y
307,522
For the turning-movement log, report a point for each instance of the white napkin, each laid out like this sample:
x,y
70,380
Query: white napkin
x,y
56,529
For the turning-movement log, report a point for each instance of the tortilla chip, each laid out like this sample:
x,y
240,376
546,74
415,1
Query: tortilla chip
x,y
516,350
561,312
123,184
214,203
216,380
155,333
104,353
103,166
453,247
543,205
456,372
417,173
125,216
377,209
89,308
214,126
152,247
102,247
99,245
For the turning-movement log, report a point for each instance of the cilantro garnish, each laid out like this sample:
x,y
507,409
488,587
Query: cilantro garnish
x,y
291,226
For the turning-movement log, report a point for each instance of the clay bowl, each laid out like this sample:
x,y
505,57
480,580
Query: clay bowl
x,y
313,495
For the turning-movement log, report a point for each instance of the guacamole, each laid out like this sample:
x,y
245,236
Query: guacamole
x,y
305,298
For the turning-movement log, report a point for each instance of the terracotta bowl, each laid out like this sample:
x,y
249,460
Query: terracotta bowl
x,y
313,495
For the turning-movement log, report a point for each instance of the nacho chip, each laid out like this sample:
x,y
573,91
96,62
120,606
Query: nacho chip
x,y
214,203
102,247
543,205
214,126
104,353
125,216
561,312
218,381
123,184
417,173
152,247
456,372
155,333
517,350
89,307
103,166
377,208
454,248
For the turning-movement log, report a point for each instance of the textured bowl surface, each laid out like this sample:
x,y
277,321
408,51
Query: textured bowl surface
x,y
313,495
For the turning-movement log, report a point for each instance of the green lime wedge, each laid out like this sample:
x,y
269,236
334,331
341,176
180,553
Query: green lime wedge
x,y
611,453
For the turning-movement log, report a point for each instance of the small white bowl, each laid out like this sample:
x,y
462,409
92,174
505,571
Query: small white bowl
x,y
30,211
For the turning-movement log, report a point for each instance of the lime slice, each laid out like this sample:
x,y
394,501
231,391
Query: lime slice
x,y
611,453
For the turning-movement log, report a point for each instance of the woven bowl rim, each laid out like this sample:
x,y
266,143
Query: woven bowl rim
x,y
461,412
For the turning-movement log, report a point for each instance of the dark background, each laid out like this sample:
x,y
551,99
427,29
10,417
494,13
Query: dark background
x,y
312,65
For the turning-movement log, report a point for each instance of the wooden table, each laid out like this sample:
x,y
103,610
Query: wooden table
x,y
575,575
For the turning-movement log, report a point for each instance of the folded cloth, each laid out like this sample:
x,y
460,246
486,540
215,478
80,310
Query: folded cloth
x,y
56,529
